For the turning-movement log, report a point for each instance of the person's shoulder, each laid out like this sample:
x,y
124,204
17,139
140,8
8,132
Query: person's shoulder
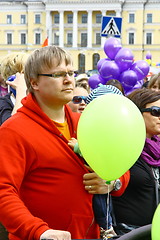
x,y
15,121
140,163
102,90
5,100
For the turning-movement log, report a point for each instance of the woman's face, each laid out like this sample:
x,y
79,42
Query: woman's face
x,y
152,123
155,87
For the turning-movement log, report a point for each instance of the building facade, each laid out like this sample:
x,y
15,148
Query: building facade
x,y
76,26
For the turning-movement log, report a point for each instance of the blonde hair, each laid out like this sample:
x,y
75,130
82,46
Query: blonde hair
x,y
13,63
42,59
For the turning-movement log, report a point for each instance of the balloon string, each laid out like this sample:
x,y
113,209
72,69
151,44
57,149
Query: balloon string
x,y
107,201
108,208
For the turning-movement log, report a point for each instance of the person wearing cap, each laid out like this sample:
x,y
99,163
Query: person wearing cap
x,y
101,90
116,83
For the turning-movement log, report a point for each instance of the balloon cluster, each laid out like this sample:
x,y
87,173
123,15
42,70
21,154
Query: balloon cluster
x,y
119,65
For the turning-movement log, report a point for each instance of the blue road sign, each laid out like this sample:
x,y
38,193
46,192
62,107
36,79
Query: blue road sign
x,y
111,26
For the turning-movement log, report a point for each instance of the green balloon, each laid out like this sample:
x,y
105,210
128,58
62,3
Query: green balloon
x,y
111,135
155,232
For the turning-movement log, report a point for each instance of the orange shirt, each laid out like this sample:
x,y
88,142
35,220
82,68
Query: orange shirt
x,y
64,129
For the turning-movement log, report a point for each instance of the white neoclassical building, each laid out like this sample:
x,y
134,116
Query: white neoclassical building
x,y
77,25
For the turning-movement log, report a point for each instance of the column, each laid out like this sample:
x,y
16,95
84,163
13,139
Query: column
x,y
89,30
103,39
118,13
75,29
49,27
61,29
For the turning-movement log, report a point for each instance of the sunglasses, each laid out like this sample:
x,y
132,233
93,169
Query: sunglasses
x,y
155,111
78,99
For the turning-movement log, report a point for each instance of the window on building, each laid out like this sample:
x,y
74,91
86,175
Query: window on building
x,y
23,38
149,17
84,18
9,19
131,38
37,38
81,63
83,39
111,13
98,39
70,18
69,38
23,19
9,38
131,17
149,38
56,18
96,58
98,18
56,39
37,18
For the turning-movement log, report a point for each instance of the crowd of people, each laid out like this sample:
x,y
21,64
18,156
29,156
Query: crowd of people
x,y
47,189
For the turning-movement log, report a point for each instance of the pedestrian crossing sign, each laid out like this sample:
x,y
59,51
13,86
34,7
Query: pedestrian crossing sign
x,y
111,26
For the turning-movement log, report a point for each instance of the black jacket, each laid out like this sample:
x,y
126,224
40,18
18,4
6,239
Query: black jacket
x,y
6,107
138,203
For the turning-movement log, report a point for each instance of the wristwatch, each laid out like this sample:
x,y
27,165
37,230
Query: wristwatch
x,y
117,185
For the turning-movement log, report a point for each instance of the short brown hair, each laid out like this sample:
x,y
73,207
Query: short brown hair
x,y
42,59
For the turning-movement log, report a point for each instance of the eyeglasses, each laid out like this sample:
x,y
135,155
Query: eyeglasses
x,y
78,99
58,74
155,111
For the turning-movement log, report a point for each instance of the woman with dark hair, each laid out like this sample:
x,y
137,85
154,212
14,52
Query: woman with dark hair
x,y
154,82
137,205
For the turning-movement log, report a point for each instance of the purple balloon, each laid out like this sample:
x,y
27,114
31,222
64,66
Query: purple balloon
x,y
124,59
148,55
136,86
94,80
103,80
101,61
128,77
111,47
109,70
141,68
126,88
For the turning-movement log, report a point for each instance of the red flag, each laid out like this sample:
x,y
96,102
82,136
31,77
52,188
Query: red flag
x,y
45,43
